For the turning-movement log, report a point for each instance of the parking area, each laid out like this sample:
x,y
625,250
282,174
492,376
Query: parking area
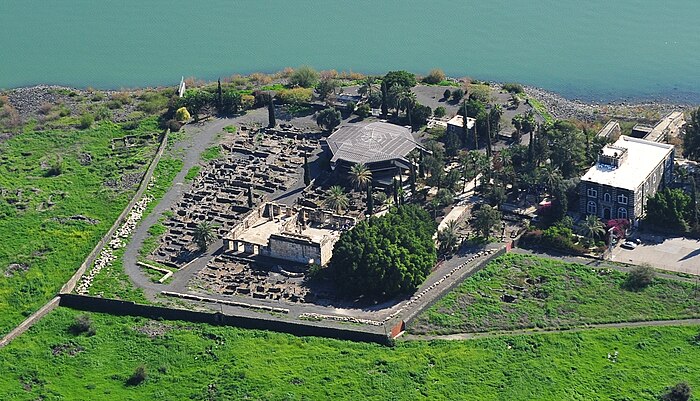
x,y
674,254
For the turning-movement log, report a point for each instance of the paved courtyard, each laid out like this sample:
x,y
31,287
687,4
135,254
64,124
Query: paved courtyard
x,y
674,254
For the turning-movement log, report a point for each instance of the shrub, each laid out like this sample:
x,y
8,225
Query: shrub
x,y
439,112
446,94
679,392
295,95
512,87
55,166
139,376
434,77
82,324
457,94
304,76
182,114
481,93
86,121
173,125
640,277
363,110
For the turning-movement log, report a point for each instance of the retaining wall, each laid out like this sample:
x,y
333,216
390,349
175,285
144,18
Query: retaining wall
x,y
127,308
69,286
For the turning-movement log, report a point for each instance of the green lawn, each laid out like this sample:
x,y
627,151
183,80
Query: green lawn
x,y
551,293
187,361
38,235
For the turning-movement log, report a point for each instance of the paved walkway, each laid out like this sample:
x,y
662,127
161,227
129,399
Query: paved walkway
x,y
473,336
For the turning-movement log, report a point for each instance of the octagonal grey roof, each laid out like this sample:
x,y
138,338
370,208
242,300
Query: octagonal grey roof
x,y
370,143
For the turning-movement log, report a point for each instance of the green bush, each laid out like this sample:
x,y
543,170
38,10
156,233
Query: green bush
x,y
440,112
86,121
139,376
512,87
295,95
640,277
82,324
434,77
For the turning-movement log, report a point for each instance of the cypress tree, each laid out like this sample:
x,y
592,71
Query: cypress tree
x,y
250,196
413,180
396,192
693,205
465,124
531,146
307,173
421,169
219,97
385,108
271,113
370,201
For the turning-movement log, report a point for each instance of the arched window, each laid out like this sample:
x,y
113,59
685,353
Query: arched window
x,y
622,213
606,197
592,193
592,208
622,199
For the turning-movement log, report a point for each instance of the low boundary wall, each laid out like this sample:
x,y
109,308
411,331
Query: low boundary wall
x,y
128,308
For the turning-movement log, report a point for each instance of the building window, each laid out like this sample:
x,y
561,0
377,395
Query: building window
x,y
606,197
592,208
622,199
592,193
622,213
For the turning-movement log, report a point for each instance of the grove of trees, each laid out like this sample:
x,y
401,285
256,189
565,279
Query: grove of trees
x,y
385,256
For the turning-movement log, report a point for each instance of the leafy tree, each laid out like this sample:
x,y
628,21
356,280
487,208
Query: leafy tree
x,y
360,175
182,114
679,392
328,119
204,234
452,143
567,146
669,208
304,76
446,94
271,122
385,256
486,219
495,115
591,228
139,376
327,88
481,93
336,199
457,95
434,77
399,78
363,110
369,201
419,115
513,88
640,277
439,112
691,136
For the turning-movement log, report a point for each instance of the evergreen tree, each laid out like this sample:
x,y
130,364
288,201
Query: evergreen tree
x,y
370,201
307,173
385,106
396,192
219,96
250,196
413,180
693,220
271,112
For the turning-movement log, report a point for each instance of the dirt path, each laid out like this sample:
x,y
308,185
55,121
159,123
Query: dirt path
x,y
474,336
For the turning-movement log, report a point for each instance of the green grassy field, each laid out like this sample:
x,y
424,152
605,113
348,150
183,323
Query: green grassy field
x,y
49,222
201,362
551,293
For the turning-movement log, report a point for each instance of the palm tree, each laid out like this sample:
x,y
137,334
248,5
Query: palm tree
x,y
360,175
368,86
591,228
204,235
336,199
448,237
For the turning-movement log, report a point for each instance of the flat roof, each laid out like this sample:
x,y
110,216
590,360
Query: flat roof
x,y
458,120
643,156
370,143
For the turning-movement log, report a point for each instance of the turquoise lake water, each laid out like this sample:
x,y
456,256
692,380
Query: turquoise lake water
x,y
591,50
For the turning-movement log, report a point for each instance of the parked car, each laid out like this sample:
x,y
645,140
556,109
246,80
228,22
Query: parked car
x,y
629,245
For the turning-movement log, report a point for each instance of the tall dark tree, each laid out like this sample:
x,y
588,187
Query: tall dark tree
x,y
385,95
271,112
250,196
369,201
691,136
396,192
413,180
219,96
307,173
693,219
